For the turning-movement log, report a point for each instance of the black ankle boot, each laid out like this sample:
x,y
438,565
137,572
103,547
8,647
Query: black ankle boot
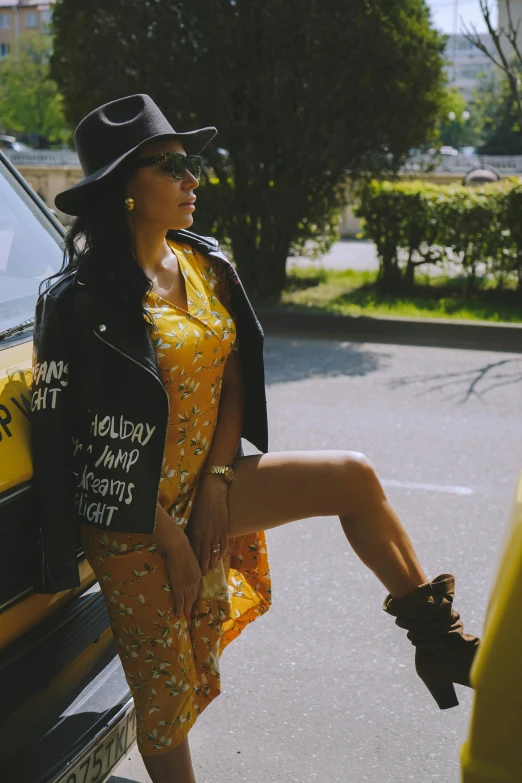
x,y
443,654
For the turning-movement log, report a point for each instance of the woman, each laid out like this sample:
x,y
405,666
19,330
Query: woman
x,y
181,586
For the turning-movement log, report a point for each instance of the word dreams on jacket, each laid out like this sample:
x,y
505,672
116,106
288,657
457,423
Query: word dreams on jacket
x,y
50,378
111,459
99,511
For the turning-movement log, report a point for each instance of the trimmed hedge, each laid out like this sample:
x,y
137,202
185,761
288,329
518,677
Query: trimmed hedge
x,y
435,224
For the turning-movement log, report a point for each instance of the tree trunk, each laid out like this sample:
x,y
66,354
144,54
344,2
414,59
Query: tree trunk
x,y
273,251
245,257
409,274
243,232
389,277
470,283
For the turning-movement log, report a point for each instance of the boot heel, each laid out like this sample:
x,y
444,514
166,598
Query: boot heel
x,y
443,693
444,654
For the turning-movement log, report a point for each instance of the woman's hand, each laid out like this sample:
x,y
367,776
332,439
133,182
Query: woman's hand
x,y
208,521
185,576
182,565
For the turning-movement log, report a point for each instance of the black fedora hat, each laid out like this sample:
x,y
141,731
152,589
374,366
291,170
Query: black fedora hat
x,y
109,134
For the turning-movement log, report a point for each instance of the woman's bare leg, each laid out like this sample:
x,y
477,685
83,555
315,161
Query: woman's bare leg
x,y
272,489
174,766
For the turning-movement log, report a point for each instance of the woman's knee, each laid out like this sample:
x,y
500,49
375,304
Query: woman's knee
x,y
360,474
357,462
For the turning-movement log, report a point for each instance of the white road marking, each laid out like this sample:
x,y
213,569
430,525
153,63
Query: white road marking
x,y
452,490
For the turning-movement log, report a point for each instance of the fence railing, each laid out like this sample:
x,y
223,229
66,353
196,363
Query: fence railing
x,y
43,158
505,164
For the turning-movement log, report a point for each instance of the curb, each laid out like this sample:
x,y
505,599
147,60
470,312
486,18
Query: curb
x,y
434,332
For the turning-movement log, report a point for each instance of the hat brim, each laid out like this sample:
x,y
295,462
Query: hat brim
x,y
74,200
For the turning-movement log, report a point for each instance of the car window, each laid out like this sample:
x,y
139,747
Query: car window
x,y
30,250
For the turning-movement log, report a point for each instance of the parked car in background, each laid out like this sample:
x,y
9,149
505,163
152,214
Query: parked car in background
x,y
66,711
445,150
468,151
11,143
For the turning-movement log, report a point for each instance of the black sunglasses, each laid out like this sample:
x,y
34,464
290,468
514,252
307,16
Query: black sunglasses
x,y
176,163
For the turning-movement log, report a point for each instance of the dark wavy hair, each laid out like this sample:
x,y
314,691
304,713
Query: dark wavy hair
x,y
102,234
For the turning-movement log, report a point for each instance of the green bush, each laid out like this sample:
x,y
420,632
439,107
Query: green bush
x,y
436,224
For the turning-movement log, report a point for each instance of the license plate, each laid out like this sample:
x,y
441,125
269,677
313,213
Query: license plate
x,y
96,764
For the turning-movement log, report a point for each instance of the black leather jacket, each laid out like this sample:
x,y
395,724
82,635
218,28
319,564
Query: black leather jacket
x,y
100,412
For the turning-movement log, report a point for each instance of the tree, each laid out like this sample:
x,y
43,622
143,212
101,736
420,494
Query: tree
x,y
496,114
451,130
508,59
301,91
29,98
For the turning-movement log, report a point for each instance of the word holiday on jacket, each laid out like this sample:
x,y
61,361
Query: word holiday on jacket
x,y
107,425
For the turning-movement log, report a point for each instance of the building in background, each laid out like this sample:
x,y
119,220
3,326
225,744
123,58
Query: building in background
x,y
503,21
18,17
465,62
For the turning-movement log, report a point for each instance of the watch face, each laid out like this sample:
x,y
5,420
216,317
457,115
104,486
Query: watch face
x,y
229,474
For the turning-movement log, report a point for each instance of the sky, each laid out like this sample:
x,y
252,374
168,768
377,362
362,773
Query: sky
x,y
442,14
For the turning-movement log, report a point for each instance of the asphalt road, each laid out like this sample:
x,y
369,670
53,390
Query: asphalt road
x,y
361,255
322,687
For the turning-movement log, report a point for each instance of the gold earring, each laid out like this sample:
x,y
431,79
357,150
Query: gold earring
x,y
130,203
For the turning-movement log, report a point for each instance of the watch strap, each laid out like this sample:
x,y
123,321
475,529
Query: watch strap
x,y
218,469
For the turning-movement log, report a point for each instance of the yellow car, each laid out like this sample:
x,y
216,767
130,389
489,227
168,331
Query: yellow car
x,y
492,752
66,712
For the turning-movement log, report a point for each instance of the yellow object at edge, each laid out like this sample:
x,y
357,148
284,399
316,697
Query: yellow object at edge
x,y
492,752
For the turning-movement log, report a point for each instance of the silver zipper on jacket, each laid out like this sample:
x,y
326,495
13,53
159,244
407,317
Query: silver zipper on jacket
x,y
168,407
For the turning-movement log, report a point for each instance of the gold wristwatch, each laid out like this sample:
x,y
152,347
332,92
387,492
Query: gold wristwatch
x,y
224,470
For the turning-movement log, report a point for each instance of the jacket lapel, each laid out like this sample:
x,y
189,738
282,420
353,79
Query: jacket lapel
x,y
109,320
210,247
131,336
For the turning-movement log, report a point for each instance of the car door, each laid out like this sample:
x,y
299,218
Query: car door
x,y
66,712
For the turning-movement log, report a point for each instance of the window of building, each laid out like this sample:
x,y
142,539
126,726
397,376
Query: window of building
x,y
4,49
465,45
31,20
470,71
46,18
4,22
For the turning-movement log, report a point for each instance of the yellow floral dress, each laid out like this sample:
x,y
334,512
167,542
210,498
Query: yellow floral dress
x,y
171,663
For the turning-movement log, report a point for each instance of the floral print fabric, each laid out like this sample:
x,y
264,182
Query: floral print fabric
x,y
171,663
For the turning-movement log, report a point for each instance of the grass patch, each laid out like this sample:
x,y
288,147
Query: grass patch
x,y
350,292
